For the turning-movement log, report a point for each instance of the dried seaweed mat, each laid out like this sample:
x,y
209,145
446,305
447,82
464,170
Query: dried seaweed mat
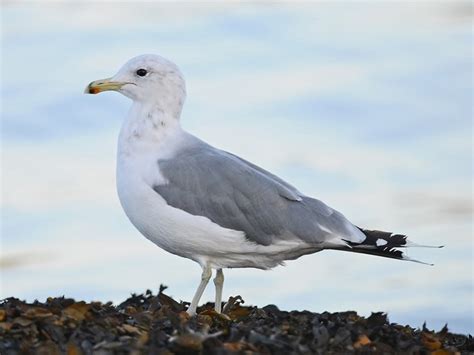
x,y
157,324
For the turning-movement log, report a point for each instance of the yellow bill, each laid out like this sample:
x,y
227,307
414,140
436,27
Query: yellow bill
x,y
103,85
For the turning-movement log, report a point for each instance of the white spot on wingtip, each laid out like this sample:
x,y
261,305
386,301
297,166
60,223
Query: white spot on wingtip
x,y
380,242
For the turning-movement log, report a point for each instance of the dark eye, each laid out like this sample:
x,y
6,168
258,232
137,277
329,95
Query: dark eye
x,y
141,72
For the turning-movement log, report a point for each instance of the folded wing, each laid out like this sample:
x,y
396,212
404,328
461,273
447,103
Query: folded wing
x,y
239,195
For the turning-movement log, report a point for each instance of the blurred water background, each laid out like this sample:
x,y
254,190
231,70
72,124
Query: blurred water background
x,y
366,105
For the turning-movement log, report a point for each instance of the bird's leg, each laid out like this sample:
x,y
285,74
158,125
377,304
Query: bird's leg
x,y
219,282
205,277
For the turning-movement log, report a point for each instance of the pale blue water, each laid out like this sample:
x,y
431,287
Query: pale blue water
x,y
366,106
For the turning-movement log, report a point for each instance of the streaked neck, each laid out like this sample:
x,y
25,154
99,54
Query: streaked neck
x,y
148,128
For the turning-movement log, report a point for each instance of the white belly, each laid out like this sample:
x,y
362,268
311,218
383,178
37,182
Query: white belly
x,y
190,236
174,230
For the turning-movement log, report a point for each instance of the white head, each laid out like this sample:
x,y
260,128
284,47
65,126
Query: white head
x,y
147,79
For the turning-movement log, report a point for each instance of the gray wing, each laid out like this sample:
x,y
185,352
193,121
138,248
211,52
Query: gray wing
x,y
239,195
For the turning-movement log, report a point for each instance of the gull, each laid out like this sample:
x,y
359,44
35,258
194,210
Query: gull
x,y
211,206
